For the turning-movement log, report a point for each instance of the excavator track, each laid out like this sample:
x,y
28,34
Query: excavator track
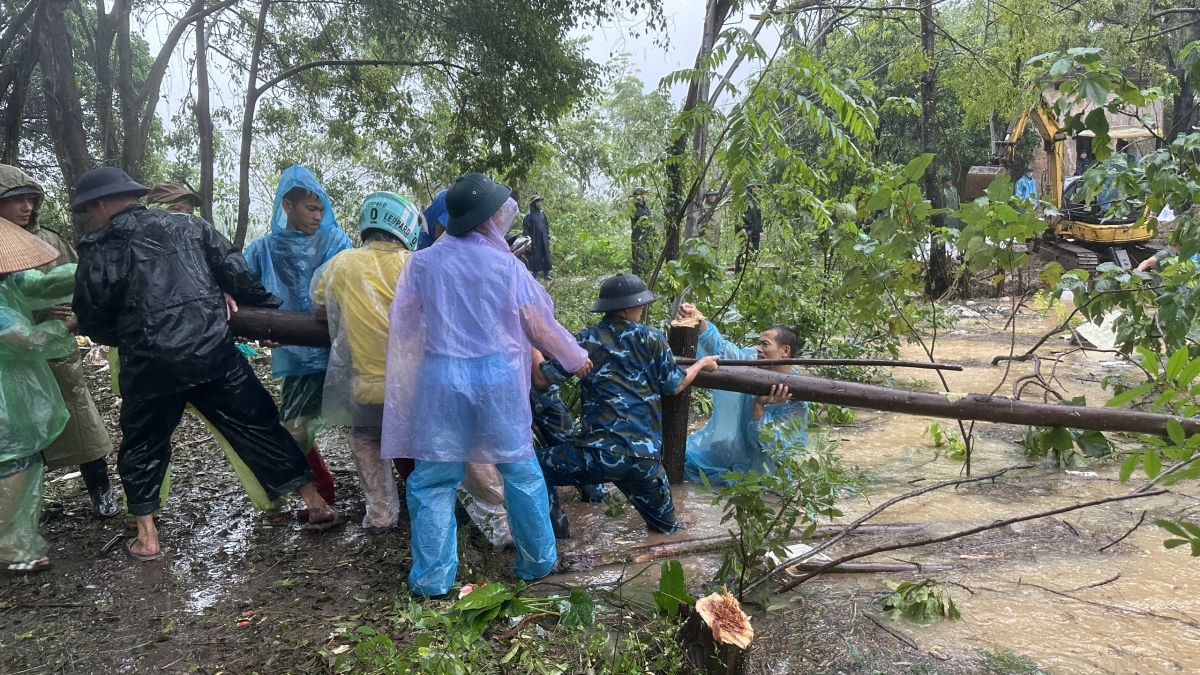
x,y
1071,256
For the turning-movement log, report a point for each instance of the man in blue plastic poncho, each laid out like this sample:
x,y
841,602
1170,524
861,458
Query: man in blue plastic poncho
x,y
465,316
435,222
730,442
304,236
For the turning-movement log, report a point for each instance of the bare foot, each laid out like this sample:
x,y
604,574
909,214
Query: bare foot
x,y
318,510
147,539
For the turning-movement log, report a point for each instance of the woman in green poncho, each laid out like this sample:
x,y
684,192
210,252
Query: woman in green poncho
x,y
32,413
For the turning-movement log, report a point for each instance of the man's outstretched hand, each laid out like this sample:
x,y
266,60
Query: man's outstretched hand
x,y
231,307
779,394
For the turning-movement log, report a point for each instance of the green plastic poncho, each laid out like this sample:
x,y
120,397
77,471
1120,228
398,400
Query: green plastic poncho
x,y
32,413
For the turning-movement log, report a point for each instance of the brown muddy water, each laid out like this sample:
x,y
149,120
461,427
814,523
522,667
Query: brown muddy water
x,y
245,592
1141,616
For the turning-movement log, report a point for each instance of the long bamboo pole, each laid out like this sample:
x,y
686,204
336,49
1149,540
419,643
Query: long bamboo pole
x,y
768,363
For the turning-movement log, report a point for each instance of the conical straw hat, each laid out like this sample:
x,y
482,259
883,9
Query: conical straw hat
x,y
20,250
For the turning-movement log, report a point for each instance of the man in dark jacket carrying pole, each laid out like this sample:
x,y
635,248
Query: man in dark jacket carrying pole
x,y
150,282
537,228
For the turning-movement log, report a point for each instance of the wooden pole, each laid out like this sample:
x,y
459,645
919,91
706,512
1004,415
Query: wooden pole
x,y
682,338
767,363
298,328
278,325
964,406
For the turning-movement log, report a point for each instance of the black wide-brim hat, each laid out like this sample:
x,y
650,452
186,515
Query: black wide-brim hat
x,y
622,292
104,181
471,200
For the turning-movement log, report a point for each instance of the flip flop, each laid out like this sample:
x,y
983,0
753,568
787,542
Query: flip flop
x,y
143,558
39,565
323,525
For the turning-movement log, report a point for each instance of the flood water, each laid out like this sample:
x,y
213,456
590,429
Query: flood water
x,y
994,577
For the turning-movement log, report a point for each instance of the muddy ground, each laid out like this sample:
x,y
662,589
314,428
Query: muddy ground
x,y
244,592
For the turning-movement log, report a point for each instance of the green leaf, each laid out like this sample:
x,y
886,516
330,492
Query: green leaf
x,y
1175,431
1129,465
1189,373
1093,444
1095,88
491,595
1176,363
1060,439
671,589
916,168
581,612
1171,527
1192,528
1129,394
1151,463
1172,543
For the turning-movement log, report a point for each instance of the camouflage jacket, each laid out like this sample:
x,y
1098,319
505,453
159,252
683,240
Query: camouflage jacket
x,y
621,399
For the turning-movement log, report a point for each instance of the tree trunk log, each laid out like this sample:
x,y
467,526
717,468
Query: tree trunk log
x,y
970,407
293,328
682,338
298,328
766,363
204,124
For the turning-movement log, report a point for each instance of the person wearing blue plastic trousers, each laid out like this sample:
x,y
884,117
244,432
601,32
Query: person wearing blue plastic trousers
x,y
304,236
465,316
730,442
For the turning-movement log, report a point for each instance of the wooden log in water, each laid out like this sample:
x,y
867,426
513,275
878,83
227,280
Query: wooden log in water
x,y
980,407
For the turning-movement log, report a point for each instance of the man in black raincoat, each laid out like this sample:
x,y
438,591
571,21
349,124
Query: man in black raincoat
x,y
150,282
537,228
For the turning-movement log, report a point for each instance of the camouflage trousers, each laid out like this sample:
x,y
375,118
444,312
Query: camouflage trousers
x,y
642,480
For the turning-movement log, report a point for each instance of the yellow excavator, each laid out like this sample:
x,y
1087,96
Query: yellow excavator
x,y
1080,236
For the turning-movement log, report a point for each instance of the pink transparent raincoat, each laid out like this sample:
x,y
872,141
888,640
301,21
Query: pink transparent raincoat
x,y
465,314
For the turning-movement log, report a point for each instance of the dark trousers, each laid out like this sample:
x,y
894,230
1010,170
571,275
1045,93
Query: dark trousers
x,y
748,250
641,479
240,409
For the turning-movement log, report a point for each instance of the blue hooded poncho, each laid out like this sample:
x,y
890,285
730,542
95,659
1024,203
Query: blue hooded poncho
x,y
285,261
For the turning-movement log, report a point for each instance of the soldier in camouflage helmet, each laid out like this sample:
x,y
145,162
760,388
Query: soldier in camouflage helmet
x,y
619,439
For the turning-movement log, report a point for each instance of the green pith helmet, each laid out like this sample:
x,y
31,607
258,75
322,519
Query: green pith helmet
x,y
640,191
393,214
471,200
622,292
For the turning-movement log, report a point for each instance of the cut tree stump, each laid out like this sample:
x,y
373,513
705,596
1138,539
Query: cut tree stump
x,y
715,635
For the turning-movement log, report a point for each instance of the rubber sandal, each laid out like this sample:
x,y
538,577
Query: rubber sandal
x,y
142,558
40,565
323,525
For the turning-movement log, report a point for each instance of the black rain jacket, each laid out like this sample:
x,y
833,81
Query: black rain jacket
x,y
149,283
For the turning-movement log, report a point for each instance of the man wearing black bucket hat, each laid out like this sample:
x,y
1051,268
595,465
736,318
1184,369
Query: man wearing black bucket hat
x,y
150,282
620,427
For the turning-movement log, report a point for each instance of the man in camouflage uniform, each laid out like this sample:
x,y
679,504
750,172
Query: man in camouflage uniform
x,y
641,231
619,439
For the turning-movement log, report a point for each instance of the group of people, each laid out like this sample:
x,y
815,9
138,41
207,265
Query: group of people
x,y
444,363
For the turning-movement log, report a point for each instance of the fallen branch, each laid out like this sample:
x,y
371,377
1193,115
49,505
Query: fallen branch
x,y
964,533
521,624
768,363
1098,584
1127,533
1115,608
899,636
848,529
